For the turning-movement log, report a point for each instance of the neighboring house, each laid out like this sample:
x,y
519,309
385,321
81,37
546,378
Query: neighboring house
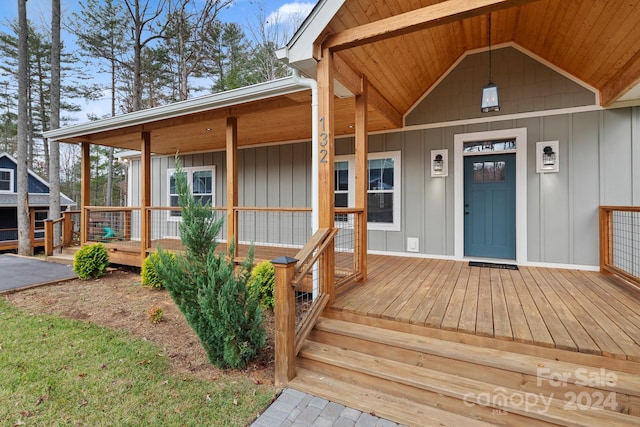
x,y
38,204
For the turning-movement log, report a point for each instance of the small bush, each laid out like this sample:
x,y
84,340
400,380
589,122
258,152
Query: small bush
x,y
155,315
148,275
91,261
262,282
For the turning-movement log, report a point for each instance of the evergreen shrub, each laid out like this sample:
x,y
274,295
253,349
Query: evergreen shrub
x,y
148,275
262,284
208,288
91,261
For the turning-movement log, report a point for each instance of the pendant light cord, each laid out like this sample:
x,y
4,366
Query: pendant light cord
x,y
490,79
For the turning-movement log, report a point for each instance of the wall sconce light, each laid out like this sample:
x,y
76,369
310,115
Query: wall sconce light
x,y
439,163
490,101
547,159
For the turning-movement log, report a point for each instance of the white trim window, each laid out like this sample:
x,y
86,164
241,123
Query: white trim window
x,y
384,188
6,181
201,182
343,182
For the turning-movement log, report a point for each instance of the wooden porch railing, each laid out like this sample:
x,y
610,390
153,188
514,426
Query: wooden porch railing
x,y
66,236
620,242
8,234
289,274
273,232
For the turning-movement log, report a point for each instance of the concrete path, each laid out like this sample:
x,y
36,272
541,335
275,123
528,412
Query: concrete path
x,y
297,409
18,272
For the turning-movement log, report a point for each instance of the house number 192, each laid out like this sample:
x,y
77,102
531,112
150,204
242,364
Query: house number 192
x,y
324,140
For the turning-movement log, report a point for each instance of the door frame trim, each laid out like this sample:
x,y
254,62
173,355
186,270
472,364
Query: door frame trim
x,y
520,135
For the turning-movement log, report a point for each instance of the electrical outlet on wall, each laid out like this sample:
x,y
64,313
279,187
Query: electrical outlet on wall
x,y
413,244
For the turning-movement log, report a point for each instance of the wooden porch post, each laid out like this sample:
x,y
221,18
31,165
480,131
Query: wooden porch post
x,y
362,181
285,323
145,193
85,192
232,181
326,144
48,237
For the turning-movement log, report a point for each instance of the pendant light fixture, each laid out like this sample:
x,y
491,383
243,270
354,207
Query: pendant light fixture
x,y
490,91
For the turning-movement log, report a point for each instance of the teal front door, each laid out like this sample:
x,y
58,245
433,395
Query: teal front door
x,y
490,206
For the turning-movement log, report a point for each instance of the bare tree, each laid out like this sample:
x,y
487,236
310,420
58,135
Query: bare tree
x,y
24,239
54,146
270,33
189,22
143,21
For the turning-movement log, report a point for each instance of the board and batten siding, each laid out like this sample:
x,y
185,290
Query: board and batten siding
x,y
273,176
278,175
599,153
599,165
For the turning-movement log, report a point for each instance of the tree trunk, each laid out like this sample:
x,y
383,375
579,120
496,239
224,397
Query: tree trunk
x,y
54,149
24,239
109,189
137,58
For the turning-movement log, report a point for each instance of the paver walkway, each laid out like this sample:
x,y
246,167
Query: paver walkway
x,y
19,272
294,408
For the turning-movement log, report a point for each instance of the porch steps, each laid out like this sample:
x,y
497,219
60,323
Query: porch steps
x,y
65,257
419,380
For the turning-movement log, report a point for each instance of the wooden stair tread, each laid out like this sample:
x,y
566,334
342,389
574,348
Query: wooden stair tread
x,y
625,383
466,390
380,404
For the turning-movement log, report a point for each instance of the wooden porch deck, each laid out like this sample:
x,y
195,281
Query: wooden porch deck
x,y
578,311
127,252
6,245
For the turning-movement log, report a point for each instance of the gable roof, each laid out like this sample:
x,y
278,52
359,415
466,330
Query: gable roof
x,y
35,199
404,47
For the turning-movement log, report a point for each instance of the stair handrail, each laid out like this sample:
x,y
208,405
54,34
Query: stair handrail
x,y
309,254
288,273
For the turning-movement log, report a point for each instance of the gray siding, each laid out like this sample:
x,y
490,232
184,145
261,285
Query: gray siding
x,y
267,177
599,155
524,85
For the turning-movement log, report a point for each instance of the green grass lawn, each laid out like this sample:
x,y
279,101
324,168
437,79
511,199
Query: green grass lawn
x,y
55,371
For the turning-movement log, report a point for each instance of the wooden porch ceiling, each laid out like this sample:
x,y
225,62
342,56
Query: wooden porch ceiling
x,y
593,40
277,119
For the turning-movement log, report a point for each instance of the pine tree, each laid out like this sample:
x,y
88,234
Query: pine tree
x,y
230,61
208,288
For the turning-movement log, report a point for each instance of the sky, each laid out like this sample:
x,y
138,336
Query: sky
x,y
240,11
243,12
